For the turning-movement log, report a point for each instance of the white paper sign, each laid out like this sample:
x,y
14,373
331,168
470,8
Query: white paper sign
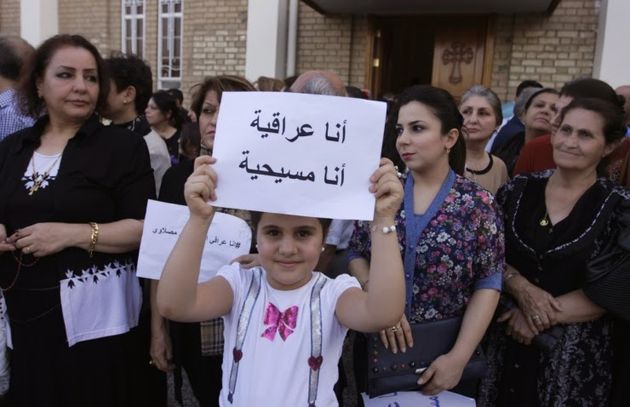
x,y
298,154
417,399
228,238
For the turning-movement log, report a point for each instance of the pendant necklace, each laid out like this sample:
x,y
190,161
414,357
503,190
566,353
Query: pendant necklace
x,y
38,179
544,221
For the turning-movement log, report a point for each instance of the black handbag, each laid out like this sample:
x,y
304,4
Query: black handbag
x,y
388,372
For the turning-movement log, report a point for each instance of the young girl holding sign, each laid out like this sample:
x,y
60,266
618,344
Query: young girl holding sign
x,y
284,322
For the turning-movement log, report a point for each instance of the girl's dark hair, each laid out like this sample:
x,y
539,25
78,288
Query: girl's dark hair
x,y
613,115
167,104
443,106
219,84
190,140
256,216
30,102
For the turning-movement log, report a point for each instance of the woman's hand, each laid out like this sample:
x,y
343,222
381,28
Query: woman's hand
x,y
538,306
43,239
161,350
443,374
247,260
397,337
387,189
517,326
200,188
5,245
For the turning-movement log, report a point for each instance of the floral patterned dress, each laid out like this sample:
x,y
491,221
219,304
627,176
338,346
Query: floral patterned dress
x,y
577,371
456,244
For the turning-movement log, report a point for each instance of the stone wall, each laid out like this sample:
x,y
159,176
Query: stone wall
x,y
551,49
98,21
214,39
334,43
10,17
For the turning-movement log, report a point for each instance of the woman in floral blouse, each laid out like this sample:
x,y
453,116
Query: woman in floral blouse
x,y
450,233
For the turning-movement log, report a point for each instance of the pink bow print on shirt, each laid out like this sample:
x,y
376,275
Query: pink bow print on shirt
x,y
282,322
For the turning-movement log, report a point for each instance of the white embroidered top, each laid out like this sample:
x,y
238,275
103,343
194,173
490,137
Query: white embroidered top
x,y
275,365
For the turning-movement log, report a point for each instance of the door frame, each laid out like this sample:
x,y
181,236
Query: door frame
x,y
374,50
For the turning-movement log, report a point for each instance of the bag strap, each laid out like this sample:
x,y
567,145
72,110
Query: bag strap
x,y
316,359
241,328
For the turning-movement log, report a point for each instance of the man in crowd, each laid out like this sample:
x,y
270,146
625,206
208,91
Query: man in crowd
x,y
14,53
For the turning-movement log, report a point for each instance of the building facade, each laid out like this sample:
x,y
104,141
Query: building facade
x,y
185,40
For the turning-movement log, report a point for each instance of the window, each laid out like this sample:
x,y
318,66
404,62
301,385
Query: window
x,y
170,44
133,27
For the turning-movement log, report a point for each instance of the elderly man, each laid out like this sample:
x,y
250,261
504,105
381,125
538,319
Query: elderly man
x,y
14,51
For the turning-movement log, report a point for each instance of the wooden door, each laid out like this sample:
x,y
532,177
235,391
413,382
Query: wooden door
x,y
462,56
450,52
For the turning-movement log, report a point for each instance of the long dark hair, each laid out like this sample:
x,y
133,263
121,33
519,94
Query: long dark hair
x,y
30,102
443,106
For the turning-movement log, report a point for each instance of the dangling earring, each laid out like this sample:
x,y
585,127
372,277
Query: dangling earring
x,y
323,248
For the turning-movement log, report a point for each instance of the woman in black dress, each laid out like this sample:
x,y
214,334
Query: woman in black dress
x,y
554,347
195,347
72,197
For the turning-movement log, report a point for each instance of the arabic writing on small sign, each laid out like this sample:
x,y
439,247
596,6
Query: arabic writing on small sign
x,y
228,238
163,231
218,242
417,399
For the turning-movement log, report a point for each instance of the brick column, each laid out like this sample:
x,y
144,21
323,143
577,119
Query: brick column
x,y
39,19
266,38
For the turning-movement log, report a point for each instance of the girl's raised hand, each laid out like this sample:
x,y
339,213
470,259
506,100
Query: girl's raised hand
x,y
387,190
200,188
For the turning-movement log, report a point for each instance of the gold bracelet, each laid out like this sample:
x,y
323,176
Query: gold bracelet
x,y
93,238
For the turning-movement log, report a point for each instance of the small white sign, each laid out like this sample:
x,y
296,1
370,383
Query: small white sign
x,y
299,154
417,399
228,238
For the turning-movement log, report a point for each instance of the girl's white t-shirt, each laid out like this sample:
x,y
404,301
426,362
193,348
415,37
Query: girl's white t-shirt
x,y
274,368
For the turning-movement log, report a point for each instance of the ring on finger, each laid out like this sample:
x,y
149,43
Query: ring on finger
x,y
536,318
25,250
394,329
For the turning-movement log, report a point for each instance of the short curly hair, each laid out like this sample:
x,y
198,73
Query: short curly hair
x,y
129,70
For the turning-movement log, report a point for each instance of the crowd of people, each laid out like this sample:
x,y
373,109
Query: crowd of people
x,y
516,227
